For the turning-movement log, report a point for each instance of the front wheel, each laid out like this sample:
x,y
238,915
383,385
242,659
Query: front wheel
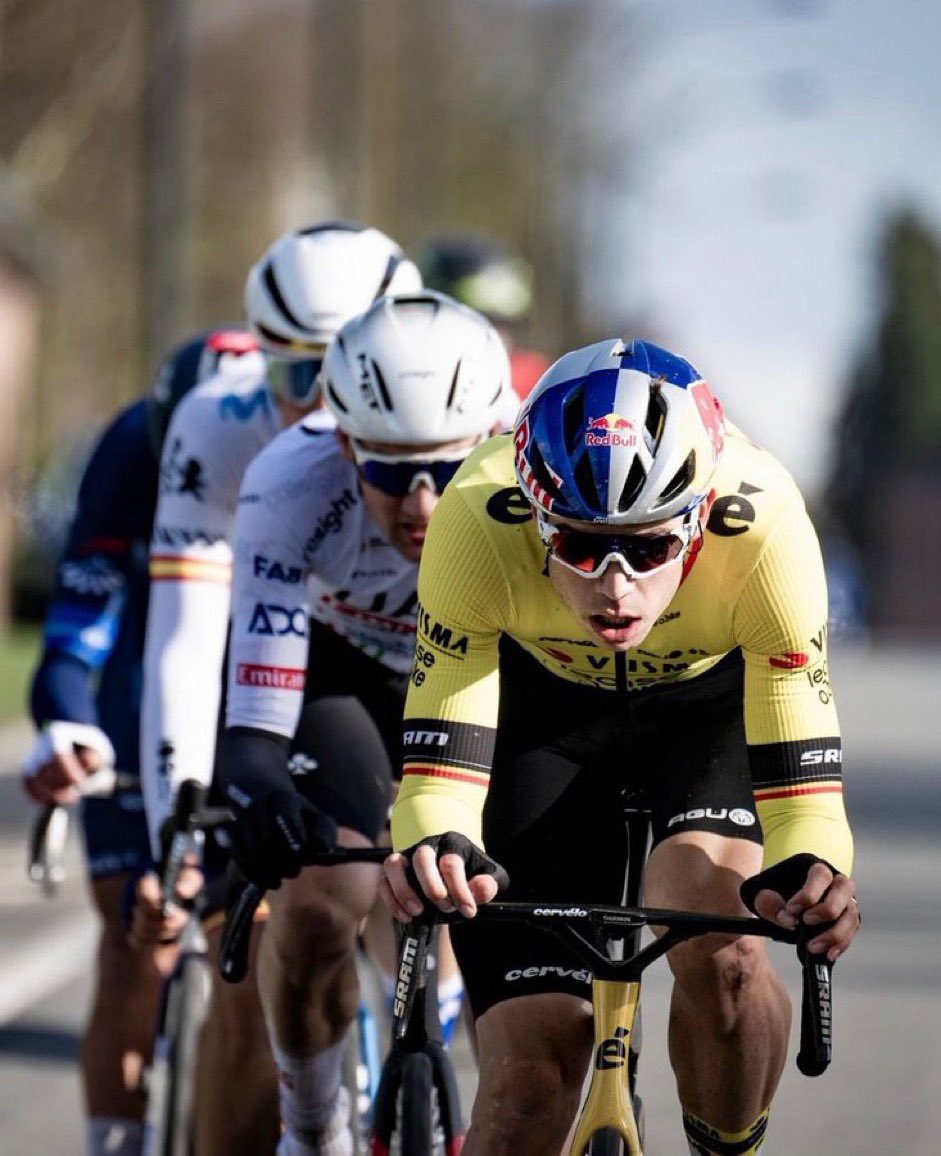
x,y
416,1108
168,1126
607,1142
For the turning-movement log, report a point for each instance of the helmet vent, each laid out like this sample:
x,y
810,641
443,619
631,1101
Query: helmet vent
x,y
453,390
276,296
338,226
383,388
656,417
391,265
573,417
585,480
541,472
335,398
634,483
680,480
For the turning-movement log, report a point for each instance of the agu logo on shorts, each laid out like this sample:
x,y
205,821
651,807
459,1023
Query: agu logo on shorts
x,y
738,815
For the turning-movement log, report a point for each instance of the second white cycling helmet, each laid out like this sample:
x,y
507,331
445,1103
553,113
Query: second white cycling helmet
x,y
307,284
416,369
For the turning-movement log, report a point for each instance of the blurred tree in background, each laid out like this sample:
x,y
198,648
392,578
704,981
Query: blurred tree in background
x,y
187,135
165,143
885,486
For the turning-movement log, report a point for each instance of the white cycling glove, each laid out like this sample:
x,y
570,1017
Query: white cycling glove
x,y
58,738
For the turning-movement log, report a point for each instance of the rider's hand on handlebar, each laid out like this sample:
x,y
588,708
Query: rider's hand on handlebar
x,y
446,869
804,889
63,757
153,919
274,835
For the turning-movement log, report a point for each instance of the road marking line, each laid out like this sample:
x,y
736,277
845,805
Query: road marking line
x,y
46,963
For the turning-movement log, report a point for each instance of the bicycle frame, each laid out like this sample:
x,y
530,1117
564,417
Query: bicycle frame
x,y
417,1055
185,997
616,987
608,1103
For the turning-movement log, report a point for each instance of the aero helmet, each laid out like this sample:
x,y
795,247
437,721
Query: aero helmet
x,y
622,433
416,369
224,350
307,285
481,273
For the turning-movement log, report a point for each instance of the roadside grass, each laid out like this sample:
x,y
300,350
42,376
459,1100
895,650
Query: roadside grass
x,y
19,652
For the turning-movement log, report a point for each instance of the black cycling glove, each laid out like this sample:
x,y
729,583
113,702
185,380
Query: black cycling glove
x,y
786,878
274,836
275,828
451,843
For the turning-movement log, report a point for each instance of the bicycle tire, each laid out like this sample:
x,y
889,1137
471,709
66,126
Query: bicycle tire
x,y
361,1069
169,1126
606,1142
416,1108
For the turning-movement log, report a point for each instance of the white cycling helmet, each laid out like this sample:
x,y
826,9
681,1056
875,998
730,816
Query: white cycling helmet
x,y
307,285
416,369
621,433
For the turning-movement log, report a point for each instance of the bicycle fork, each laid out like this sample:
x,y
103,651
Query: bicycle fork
x,y
608,1103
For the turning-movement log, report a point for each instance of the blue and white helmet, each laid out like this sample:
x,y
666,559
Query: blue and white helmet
x,y
623,433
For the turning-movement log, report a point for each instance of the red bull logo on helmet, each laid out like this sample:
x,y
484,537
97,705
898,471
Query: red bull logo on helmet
x,y
610,430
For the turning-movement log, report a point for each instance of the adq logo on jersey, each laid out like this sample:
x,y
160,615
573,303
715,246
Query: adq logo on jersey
x,y
610,430
269,618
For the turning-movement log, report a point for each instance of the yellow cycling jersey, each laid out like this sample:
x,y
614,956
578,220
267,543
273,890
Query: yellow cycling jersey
x,y
757,583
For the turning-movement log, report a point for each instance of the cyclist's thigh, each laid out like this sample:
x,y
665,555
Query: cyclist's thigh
x,y
700,871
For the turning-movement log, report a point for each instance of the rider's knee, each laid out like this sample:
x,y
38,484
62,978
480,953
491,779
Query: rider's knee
x,y
314,926
525,1089
719,968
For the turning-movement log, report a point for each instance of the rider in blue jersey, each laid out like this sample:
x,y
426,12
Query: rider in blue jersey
x,y
85,702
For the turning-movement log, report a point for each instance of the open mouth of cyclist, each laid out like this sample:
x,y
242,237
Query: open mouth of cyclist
x,y
611,628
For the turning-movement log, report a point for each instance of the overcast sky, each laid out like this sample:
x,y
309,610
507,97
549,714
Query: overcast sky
x,y
774,134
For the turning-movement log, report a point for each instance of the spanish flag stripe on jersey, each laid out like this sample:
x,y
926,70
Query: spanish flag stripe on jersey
x,y
168,567
834,788
433,772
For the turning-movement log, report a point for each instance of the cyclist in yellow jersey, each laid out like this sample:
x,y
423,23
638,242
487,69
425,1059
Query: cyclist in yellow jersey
x,y
623,604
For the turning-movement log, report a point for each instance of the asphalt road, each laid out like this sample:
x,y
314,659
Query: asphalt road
x,y
878,1096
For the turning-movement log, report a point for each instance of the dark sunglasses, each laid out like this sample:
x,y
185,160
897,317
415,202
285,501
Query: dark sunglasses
x,y
590,554
398,477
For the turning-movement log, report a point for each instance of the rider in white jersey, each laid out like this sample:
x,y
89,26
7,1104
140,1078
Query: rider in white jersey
x,y
305,286
300,292
328,537
85,701
319,555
